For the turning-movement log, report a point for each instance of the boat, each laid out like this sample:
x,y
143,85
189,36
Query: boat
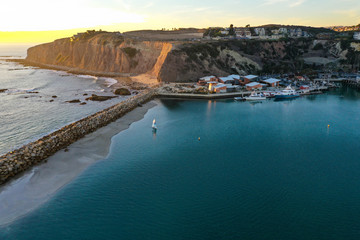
x,y
255,97
287,93
154,124
239,99
269,94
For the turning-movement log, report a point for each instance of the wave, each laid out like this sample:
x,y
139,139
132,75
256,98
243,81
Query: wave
x,y
109,81
21,91
94,90
87,77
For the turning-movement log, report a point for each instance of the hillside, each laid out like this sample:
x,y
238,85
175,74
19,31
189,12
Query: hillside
x,y
185,61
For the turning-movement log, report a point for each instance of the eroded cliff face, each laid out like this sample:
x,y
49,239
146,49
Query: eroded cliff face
x,y
165,61
102,53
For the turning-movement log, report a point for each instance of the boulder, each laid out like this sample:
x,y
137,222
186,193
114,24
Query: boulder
x,y
95,97
122,91
73,101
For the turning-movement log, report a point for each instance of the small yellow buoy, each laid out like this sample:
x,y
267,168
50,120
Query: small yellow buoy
x,y
328,126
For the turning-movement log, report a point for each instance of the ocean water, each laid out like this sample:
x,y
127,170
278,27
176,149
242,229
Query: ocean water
x,y
25,115
272,170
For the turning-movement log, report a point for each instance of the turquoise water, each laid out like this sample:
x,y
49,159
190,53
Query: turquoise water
x,y
272,170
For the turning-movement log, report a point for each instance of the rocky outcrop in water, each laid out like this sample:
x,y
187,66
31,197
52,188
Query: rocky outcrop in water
x,y
97,98
122,91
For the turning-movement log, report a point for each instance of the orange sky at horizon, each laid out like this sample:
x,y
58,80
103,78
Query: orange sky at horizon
x,y
40,21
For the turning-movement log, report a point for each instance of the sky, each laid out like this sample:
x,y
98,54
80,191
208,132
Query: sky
x,y
44,20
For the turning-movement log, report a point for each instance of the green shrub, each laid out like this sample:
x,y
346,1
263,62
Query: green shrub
x,y
131,52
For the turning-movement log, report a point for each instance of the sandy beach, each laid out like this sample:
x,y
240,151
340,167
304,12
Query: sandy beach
x,y
33,188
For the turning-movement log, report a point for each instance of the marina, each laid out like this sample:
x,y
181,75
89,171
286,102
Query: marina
x,y
182,120
146,182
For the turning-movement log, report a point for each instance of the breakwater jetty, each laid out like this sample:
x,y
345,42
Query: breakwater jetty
x,y
21,159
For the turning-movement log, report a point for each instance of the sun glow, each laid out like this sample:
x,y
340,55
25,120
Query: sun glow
x,y
29,20
40,15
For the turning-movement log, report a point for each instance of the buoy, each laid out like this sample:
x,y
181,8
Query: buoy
x,y
328,126
199,138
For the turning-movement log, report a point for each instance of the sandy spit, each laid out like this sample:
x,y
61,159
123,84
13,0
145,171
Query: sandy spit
x,y
36,186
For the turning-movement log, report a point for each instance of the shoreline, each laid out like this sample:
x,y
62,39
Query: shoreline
x,y
27,191
31,154
76,71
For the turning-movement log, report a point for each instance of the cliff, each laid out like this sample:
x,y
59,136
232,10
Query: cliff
x,y
103,53
186,61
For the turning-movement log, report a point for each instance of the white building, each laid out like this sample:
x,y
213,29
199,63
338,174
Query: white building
x,y
283,31
260,31
357,35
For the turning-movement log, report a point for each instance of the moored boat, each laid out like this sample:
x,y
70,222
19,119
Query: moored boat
x,y
239,99
287,93
255,97
269,94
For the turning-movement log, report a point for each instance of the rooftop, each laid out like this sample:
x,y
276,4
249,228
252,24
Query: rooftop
x,y
252,84
251,76
272,80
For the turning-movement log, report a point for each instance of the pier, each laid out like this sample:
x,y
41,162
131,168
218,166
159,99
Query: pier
x,y
203,96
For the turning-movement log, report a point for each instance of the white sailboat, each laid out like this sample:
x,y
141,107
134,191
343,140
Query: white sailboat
x,y
154,124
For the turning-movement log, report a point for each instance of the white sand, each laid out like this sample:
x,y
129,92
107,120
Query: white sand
x,y
27,192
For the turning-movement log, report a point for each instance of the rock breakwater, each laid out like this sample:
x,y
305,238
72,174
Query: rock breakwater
x,y
21,159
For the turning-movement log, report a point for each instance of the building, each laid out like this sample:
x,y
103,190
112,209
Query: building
x,y
299,32
224,32
272,82
211,85
236,78
253,86
227,80
251,78
231,88
260,31
243,33
357,35
246,79
205,80
300,78
283,31
275,31
219,88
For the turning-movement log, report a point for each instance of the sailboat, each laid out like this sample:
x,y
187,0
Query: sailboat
x,y
154,124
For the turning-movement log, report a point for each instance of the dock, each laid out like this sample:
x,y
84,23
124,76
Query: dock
x,y
203,96
352,83
218,95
